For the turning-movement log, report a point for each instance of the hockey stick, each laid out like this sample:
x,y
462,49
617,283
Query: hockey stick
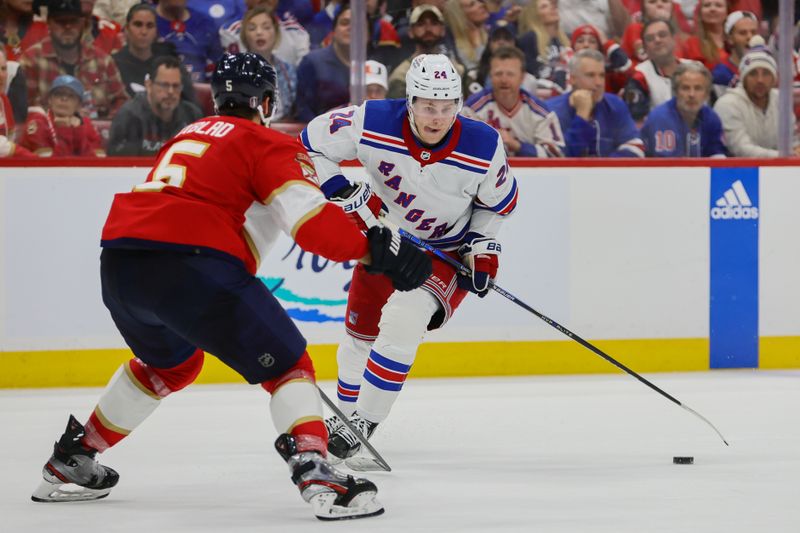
x,y
379,460
462,269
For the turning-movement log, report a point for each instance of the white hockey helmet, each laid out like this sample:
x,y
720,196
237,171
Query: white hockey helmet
x,y
432,76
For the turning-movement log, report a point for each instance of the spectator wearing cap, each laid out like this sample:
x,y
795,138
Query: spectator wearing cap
x,y
651,82
323,77
376,80
63,52
526,127
749,111
685,126
60,130
194,35
594,123
619,67
261,34
135,59
145,123
740,27
427,31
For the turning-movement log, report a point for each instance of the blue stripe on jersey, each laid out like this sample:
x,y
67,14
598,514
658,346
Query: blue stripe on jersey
x,y
385,116
452,239
305,141
477,170
388,148
353,389
504,202
478,139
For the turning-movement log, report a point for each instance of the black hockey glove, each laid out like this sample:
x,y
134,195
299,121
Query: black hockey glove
x,y
407,266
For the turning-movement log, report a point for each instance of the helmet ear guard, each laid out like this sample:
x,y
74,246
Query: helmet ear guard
x,y
244,80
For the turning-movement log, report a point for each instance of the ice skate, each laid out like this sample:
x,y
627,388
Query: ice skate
x,y
343,444
332,495
72,473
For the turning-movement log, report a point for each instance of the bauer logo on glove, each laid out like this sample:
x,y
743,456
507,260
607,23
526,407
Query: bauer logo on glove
x,y
481,255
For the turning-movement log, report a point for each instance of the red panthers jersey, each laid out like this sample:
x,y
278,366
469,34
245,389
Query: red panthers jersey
x,y
209,175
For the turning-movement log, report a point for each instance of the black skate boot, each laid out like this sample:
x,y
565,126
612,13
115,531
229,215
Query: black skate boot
x,y
332,424
332,495
72,473
343,444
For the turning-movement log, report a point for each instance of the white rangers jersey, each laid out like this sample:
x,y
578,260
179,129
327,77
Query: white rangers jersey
x,y
537,129
438,194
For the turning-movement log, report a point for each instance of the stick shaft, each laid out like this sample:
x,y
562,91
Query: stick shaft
x,y
462,269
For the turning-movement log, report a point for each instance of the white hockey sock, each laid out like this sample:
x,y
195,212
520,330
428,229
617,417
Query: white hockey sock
x,y
404,321
351,358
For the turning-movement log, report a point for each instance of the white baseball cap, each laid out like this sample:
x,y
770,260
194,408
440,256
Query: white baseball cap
x,y
375,72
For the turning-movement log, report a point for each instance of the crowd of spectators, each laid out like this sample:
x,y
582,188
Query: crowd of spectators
x,y
556,78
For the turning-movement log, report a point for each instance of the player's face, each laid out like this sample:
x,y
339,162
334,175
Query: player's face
x,y
741,33
141,30
164,92
713,11
63,102
657,9
590,75
433,118
758,83
66,30
506,75
260,35
658,40
586,41
692,92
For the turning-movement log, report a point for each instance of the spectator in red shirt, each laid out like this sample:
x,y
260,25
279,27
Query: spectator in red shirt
x,y
60,130
619,66
707,45
63,52
18,31
106,34
654,10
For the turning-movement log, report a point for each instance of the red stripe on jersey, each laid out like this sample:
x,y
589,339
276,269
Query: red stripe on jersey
x,y
476,162
385,373
377,137
510,207
346,392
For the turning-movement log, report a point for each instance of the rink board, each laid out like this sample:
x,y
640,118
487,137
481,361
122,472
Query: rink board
x,y
625,256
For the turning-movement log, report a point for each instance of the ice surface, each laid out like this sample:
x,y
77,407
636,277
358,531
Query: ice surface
x,y
557,454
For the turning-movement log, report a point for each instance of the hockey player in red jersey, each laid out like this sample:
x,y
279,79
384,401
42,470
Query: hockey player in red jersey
x,y
177,274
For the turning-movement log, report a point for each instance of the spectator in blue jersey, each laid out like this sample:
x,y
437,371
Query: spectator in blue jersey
x,y
740,27
595,123
685,126
323,77
194,35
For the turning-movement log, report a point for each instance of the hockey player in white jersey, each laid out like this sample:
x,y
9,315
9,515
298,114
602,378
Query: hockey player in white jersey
x,y
437,175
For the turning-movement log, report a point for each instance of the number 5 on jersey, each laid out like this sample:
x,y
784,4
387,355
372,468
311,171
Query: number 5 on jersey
x,y
168,173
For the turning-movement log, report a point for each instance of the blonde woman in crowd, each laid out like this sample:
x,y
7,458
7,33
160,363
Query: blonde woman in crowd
x,y
541,36
466,20
707,45
261,34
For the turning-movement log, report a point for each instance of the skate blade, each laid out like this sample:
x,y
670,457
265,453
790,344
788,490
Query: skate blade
x,y
363,463
363,505
48,492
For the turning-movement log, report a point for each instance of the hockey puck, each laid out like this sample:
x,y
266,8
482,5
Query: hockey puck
x,y
683,460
